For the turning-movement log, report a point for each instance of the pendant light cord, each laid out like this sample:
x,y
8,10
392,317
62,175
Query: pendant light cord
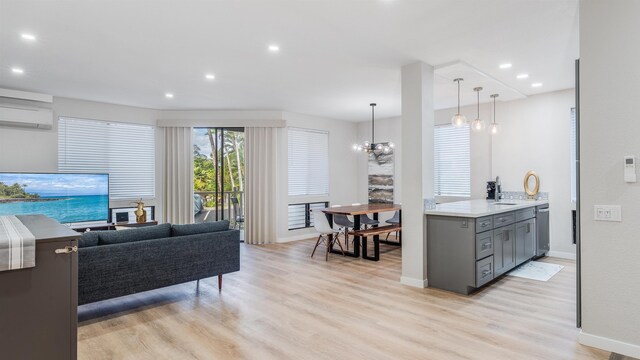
x,y
458,81
478,104
494,110
373,124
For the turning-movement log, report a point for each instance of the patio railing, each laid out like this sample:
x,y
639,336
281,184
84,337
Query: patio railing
x,y
224,199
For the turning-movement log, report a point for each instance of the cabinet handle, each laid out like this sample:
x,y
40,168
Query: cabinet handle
x,y
506,235
67,250
484,224
486,245
501,219
486,273
528,228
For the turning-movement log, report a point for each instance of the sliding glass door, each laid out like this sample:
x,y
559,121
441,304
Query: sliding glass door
x,y
218,175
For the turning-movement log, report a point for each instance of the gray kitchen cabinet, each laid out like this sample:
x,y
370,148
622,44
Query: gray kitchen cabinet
x,y
484,223
504,219
525,240
465,253
471,243
484,271
504,249
484,244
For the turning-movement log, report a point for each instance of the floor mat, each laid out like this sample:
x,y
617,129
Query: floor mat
x,y
537,270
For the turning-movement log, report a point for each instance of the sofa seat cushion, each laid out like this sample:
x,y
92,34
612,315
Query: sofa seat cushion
x,y
142,233
89,238
192,229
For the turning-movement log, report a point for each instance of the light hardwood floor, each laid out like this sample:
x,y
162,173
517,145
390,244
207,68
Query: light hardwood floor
x,y
285,305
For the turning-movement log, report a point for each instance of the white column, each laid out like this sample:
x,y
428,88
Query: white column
x,y
417,168
609,76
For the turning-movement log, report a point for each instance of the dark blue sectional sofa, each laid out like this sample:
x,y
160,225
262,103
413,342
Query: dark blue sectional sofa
x,y
122,262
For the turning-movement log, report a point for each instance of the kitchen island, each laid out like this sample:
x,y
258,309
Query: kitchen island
x,y
470,243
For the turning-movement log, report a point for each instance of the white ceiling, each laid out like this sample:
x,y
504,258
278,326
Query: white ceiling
x,y
336,56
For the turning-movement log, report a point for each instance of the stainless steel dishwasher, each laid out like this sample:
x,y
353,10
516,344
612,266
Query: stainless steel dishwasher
x,y
542,230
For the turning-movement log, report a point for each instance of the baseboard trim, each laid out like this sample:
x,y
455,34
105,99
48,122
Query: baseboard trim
x,y
607,344
414,282
562,255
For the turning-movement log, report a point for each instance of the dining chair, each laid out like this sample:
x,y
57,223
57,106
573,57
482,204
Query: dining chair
x,y
394,220
321,224
365,219
344,224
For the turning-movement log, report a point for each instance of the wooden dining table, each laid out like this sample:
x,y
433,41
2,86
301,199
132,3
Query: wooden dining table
x,y
363,235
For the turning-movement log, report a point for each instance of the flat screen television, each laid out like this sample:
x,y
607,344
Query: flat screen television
x,y
65,197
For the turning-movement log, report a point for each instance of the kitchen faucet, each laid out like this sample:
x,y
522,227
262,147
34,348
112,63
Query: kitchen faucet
x,y
498,193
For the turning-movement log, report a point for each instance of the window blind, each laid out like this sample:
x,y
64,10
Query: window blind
x,y
308,162
572,140
452,161
125,151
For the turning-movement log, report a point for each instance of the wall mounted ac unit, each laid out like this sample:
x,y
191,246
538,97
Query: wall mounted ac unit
x,y
25,109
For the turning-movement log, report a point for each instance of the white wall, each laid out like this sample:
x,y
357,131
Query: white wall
x,y
610,251
535,135
36,150
343,178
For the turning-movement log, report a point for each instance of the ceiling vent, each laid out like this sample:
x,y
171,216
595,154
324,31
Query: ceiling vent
x,y
25,109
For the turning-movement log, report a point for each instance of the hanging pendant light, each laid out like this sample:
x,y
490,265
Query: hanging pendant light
x,y
493,128
372,146
458,119
477,124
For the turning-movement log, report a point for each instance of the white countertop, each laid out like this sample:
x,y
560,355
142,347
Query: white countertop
x,y
481,207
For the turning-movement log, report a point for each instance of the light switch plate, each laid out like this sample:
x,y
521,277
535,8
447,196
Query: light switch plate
x,y
607,212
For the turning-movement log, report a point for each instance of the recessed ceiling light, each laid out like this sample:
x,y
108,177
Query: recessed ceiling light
x,y
274,48
536,84
505,66
168,95
522,76
29,37
17,71
210,76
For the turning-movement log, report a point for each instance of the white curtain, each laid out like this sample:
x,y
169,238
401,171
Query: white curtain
x,y
260,168
178,175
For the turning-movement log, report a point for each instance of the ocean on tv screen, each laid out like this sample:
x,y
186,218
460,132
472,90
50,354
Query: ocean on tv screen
x,y
66,198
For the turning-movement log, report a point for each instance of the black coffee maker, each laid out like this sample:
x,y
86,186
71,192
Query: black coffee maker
x,y
491,190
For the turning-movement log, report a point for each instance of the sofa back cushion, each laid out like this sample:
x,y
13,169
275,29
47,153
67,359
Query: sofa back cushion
x,y
192,229
142,233
90,238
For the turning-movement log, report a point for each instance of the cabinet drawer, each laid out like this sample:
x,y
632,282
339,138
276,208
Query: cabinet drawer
x,y
484,244
484,224
484,271
525,214
504,219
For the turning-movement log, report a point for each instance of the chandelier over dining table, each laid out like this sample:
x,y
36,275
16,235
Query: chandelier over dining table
x,y
371,146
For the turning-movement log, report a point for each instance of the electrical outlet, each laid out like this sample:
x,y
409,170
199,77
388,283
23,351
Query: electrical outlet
x,y
607,212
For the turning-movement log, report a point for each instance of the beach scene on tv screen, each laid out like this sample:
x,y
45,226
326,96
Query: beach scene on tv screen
x,y
67,198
